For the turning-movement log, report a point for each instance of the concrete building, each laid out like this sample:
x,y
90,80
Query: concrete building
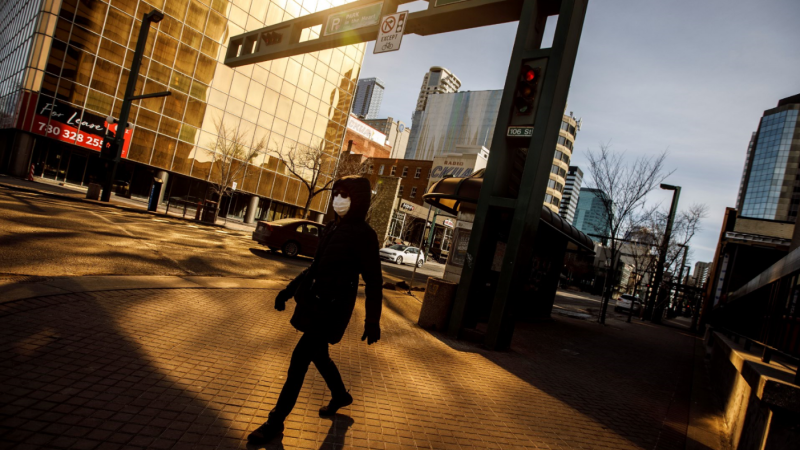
x,y
572,191
591,216
700,274
362,139
64,67
771,173
437,80
369,95
397,134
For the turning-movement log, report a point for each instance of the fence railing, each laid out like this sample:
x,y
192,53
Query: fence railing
x,y
767,352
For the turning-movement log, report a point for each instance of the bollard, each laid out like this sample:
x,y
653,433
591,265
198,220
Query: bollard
x,y
30,174
766,357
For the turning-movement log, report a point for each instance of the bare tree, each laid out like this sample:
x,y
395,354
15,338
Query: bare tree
x,y
233,150
623,187
685,227
316,168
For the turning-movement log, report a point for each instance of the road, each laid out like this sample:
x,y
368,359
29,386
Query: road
x,y
45,236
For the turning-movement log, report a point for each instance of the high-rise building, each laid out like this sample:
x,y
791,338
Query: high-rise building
x,y
460,118
369,95
397,134
700,273
572,191
591,214
437,80
64,67
468,119
768,189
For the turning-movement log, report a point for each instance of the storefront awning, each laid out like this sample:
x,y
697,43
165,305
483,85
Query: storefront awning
x,y
453,194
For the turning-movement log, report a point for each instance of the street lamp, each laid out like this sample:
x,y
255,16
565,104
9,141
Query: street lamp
x,y
656,310
153,16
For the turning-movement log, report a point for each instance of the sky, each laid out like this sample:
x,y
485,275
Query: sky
x,y
692,77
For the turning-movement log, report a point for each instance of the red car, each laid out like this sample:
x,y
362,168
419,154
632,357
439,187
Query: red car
x,y
291,236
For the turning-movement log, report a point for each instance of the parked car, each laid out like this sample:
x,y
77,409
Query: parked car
x,y
624,303
402,254
291,236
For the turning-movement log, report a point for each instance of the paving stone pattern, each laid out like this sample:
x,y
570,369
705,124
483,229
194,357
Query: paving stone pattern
x,y
200,368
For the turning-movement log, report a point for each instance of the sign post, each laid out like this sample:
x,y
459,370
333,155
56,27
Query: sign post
x,y
390,33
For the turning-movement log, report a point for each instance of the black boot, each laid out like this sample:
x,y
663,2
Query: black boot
x,y
265,433
336,402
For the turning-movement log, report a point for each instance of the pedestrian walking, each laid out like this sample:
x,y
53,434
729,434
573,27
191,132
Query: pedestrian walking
x,y
325,295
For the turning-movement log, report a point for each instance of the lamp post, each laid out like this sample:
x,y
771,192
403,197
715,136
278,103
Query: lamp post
x,y
116,143
656,310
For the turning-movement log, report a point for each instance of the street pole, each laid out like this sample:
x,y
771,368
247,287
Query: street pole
x,y
601,317
680,272
153,16
421,240
432,233
654,311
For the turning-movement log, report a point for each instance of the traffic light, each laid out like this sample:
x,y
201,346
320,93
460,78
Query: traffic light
x,y
110,148
526,89
526,94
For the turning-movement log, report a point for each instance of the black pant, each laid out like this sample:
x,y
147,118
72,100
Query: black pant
x,y
310,348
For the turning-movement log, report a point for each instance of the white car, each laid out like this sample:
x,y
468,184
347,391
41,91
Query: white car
x,y
624,303
402,254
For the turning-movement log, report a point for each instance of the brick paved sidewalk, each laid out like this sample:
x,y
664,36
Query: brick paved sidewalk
x,y
199,369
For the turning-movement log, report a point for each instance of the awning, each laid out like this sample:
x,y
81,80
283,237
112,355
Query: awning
x,y
452,194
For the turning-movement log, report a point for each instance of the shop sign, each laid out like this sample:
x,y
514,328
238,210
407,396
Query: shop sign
x,y
449,223
445,171
66,123
406,206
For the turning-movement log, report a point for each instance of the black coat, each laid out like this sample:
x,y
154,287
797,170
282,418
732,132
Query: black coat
x,y
348,248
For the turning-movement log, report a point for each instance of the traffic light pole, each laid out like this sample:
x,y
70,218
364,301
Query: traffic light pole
x,y
654,310
515,181
153,16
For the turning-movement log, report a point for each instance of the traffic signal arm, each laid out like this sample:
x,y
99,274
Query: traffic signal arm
x,y
283,39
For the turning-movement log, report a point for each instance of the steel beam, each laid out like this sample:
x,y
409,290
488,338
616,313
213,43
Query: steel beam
x,y
283,40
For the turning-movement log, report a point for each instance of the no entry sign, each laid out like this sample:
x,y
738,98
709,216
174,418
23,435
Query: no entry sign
x,y
390,32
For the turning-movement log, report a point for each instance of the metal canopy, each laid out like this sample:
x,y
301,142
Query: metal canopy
x,y
283,39
457,194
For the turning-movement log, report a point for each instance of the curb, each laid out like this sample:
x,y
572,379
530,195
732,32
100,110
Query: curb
x,y
109,205
16,291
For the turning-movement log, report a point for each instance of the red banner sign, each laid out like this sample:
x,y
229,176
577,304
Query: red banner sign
x,y
66,123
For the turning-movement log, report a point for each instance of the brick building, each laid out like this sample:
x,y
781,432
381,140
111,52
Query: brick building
x,y
413,174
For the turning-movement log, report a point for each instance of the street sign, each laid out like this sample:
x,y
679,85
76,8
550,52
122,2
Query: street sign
x,y
520,132
233,186
446,2
390,33
353,19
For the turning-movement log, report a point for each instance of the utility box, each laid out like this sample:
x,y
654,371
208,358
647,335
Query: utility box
x,y
93,193
437,303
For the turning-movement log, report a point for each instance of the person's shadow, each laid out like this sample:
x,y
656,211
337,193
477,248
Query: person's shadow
x,y
337,432
335,438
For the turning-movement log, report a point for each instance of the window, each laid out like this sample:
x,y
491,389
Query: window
x,y
405,171
380,170
418,173
413,192
394,171
400,192
370,168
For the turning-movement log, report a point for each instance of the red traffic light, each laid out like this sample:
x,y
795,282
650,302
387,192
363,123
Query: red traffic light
x,y
526,89
528,74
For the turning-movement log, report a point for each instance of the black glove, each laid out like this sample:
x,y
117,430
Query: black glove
x,y
281,298
372,333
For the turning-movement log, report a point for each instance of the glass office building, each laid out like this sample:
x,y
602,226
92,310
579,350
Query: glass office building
x,y
64,67
591,215
771,179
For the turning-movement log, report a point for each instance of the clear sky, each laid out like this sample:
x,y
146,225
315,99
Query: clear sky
x,y
689,76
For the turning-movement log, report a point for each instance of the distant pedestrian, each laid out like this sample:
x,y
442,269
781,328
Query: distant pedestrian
x,y
325,294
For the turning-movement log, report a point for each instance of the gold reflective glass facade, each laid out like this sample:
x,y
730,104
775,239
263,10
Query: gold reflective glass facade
x,y
298,101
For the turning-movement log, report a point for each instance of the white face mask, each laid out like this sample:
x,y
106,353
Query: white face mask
x,y
341,205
